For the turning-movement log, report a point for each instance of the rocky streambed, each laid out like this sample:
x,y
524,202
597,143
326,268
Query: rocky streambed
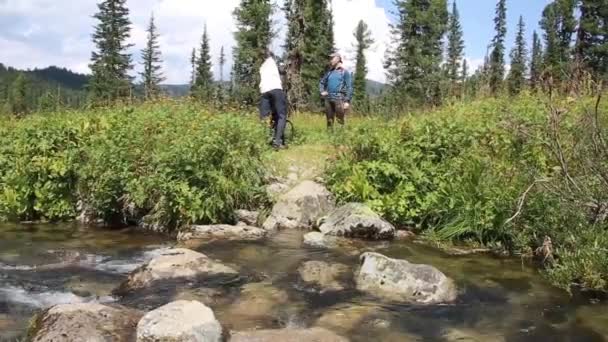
x,y
311,271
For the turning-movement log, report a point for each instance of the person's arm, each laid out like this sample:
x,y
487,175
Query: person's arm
x,y
323,85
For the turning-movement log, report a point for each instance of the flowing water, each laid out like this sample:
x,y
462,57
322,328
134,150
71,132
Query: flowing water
x,y
499,300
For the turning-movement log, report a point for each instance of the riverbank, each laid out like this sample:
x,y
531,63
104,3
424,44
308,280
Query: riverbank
x,y
485,174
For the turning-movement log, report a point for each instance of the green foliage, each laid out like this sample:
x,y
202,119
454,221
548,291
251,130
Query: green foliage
x,y
592,44
487,173
161,165
536,61
559,23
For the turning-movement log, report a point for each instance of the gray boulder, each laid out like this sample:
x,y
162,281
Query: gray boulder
x,y
301,207
222,232
401,280
72,322
288,335
180,321
249,218
356,220
177,263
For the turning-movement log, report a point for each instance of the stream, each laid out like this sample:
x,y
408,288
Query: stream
x,y
500,299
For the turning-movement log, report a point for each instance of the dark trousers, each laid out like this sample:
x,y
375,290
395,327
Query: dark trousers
x,y
274,102
334,109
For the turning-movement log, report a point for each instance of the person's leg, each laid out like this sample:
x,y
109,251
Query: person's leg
x,y
265,106
340,112
280,108
330,113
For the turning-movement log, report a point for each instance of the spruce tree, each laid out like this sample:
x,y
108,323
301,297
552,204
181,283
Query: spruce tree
x,y
253,36
294,53
193,64
220,85
559,24
519,53
363,37
414,65
497,57
18,95
536,61
455,45
203,82
151,56
592,37
110,62
465,70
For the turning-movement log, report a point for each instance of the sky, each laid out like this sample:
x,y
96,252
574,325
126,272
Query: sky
x,y
39,33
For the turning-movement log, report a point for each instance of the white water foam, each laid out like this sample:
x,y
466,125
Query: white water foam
x,y
123,266
47,299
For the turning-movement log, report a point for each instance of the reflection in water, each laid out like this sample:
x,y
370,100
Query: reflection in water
x,y
499,300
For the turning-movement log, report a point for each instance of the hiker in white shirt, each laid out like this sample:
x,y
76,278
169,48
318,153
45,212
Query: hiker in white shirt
x,y
273,100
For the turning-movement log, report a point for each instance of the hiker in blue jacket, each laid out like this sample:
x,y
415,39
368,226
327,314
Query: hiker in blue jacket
x,y
336,88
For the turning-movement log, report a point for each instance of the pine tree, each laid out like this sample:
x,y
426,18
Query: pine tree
x,y
317,45
193,64
455,45
497,57
294,53
203,82
152,76
18,95
536,61
220,86
592,37
414,65
519,53
253,36
110,63
559,24
363,37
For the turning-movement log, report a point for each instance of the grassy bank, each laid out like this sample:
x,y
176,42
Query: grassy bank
x,y
162,165
523,175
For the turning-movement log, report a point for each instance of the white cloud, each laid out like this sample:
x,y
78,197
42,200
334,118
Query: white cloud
x,y
38,33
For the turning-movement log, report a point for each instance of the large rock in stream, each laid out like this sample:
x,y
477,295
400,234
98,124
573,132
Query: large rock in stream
x,y
180,321
74,322
301,207
288,335
175,264
400,280
356,220
222,232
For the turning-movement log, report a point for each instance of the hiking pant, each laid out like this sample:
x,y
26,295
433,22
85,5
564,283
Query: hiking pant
x,y
334,109
275,102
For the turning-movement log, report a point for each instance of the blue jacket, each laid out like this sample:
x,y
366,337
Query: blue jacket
x,y
338,83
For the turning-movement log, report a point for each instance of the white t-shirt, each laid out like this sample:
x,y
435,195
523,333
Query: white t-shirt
x,y
270,78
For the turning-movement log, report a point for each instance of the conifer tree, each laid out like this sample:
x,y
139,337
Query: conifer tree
x,y
497,57
592,37
152,76
294,53
110,62
519,53
193,64
203,82
559,24
414,65
455,45
536,61
220,85
363,37
18,96
253,36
